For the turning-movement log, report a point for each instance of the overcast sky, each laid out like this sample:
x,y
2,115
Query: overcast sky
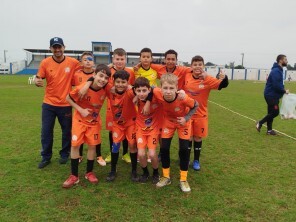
x,y
218,30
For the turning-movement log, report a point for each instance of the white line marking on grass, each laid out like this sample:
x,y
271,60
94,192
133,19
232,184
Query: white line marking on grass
x,y
293,138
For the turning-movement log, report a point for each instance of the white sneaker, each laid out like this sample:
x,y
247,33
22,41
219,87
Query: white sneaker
x,y
164,181
184,185
101,161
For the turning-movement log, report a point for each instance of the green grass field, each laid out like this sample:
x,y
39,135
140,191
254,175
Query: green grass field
x,y
245,176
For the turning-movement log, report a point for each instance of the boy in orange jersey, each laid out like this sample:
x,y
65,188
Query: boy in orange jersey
x,y
58,71
123,125
177,115
170,59
199,89
147,129
87,123
118,63
81,76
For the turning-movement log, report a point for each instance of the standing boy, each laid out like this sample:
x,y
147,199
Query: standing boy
x,y
177,114
147,129
87,123
58,71
123,125
81,76
199,89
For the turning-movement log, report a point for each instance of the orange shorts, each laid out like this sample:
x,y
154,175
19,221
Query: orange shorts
x,y
109,117
147,138
120,132
169,128
200,127
81,133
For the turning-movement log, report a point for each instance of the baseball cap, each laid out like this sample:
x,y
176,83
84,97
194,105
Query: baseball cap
x,y
56,41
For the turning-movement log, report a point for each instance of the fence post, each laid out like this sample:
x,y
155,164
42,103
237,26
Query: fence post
x,y
232,71
246,74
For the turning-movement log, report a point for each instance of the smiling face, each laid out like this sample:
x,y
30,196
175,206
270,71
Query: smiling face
x,y
119,61
170,61
120,85
100,80
169,91
197,68
58,51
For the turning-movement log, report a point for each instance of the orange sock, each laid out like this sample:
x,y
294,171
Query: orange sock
x,y
166,172
183,175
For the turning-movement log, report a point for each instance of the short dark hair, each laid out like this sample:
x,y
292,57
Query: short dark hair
x,y
119,52
121,74
87,53
197,59
142,82
170,51
280,57
146,50
103,68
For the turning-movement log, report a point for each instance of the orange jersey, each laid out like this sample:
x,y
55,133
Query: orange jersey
x,y
81,77
58,77
93,100
175,108
122,108
200,90
131,79
146,123
179,71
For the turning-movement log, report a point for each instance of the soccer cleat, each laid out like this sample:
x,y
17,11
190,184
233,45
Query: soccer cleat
x,y
80,159
91,177
196,165
101,161
185,186
126,157
71,181
108,158
144,178
164,181
43,164
63,160
111,176
134,177
155,179
271,132
258,126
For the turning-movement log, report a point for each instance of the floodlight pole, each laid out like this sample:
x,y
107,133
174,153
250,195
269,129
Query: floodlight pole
x,y
5,55
243,54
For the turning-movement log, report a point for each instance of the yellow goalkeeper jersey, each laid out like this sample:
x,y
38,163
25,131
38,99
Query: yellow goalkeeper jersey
x,y
150,74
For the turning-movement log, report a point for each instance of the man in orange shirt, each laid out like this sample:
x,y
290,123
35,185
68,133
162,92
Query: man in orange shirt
x,y
177,114
58,71
199,89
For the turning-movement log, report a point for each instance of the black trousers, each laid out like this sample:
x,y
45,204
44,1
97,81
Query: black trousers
x,y
272,111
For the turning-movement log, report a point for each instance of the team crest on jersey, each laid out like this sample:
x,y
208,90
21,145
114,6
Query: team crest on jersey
x,y
201,86
177,109
148,122
140,140
110,124
67,69
74,138
166,130
118,115
94,115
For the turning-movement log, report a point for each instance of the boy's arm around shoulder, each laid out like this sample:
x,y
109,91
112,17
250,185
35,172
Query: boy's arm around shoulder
x,y
71,101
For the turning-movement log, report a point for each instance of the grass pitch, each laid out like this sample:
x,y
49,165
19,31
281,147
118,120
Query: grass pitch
x,y
245,176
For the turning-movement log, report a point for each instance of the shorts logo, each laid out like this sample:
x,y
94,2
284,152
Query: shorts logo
x,y
166,130
148,122
110,124
74,138
67,69
115,135
140,140
177,109
103,97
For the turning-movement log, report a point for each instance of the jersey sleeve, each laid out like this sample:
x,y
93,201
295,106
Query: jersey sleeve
x,y
42,70
157,94
74,93
189,102
213,82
